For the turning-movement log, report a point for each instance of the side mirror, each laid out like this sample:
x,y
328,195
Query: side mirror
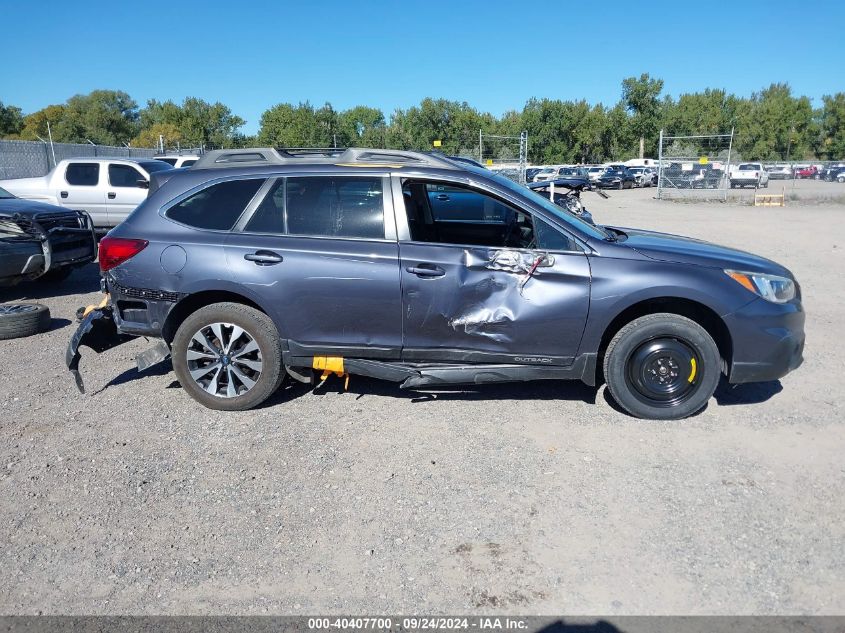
x,y
143,184
546,260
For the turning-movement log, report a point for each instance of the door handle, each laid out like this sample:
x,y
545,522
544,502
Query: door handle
x,y
264,258
112,195
426,270
443,197
63,194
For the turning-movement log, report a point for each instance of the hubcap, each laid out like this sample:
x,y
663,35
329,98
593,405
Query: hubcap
x,y
17,308
663,372
224,360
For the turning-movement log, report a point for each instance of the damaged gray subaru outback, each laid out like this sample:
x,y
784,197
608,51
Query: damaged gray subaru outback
x,y
256,265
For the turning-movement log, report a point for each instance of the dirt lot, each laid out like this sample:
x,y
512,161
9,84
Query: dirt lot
x,y
538,498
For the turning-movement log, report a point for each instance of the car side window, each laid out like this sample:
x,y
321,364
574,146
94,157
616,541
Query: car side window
x,y
83,174
187,163
124,176
334,206
453,214
217,207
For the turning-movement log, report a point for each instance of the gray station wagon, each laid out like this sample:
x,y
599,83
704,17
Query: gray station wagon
x,y
256,265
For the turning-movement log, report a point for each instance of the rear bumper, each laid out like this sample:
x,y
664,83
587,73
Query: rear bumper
x,y
768,341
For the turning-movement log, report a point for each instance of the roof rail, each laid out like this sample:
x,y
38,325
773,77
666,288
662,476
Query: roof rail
x,y
258,156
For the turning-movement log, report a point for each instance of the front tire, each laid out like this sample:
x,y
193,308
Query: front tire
x,y
662,367
228,356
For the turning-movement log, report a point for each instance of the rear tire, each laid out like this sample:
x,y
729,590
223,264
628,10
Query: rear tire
x,y
228,356
23,319
662,367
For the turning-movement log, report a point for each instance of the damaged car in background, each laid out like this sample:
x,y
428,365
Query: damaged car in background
x,y
39,240
257,265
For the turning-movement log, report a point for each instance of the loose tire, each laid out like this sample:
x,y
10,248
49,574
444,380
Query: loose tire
x,y
662,367
23,319
228,356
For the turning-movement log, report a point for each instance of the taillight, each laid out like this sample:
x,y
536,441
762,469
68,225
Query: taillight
x,y
116,250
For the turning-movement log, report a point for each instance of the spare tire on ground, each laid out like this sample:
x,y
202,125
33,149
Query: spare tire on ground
x,y
23,319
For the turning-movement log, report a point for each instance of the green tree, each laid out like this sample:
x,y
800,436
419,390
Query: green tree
x,y
362,126
105,117
198,121
35,124
11,120
153,135
454,123
286,125
773,124
642,100
832,128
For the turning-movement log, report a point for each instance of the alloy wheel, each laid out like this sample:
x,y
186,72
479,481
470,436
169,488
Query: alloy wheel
x,y
224,359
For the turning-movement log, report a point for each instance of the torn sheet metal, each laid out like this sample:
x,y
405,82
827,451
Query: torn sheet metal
x,y
156,354
501,296
97,331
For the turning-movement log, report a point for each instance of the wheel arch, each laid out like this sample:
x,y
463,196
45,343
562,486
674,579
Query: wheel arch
x,y
696,311
194,301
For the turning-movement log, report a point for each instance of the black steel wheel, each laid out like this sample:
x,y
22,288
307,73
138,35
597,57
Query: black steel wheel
x,y
663,372
662,366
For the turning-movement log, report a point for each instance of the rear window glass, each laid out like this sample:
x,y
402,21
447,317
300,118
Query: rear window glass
x,y
156,165
217,207
342,206
83,174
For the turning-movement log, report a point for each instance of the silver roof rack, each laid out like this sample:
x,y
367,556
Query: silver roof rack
x,y
264,156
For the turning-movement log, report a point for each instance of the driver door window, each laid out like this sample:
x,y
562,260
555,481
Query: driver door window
x,y
452,214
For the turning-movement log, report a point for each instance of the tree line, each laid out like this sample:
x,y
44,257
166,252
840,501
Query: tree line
x,y
772,124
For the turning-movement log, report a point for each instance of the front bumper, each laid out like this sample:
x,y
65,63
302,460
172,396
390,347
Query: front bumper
x,y
768,340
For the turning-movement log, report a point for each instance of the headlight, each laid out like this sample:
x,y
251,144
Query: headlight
x,y
771,287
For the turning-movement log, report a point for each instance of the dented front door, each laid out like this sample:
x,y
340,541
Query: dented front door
x,y
496,305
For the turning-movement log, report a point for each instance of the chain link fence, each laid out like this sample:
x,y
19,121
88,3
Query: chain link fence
x,y
694,166
506,154
25,159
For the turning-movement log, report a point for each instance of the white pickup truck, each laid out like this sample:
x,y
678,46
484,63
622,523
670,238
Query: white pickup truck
x,y
749,175
107,188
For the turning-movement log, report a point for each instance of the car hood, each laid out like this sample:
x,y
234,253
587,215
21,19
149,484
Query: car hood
x,y
686,250
27,207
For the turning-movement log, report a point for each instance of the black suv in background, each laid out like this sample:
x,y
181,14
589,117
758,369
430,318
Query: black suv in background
x,y
259,264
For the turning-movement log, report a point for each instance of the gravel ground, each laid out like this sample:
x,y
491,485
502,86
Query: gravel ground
x,y
535,498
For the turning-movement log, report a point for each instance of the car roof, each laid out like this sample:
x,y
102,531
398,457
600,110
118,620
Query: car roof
x,y
353,156
99,159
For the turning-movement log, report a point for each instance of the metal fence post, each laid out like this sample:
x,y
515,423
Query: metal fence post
x,y
660,165
728,166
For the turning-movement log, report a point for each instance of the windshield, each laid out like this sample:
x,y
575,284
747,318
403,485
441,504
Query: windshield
x,y
570,219
5,194
155,165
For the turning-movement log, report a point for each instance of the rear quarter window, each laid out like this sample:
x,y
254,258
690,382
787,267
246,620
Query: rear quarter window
x,y
217,207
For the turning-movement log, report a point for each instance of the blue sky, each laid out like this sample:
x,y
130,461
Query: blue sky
x,y
493,54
